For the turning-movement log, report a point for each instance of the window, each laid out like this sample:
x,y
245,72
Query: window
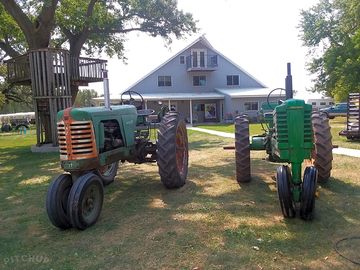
x,y
322,103
313,103
251,106
164,81
182,59
199,80
331,103
232,79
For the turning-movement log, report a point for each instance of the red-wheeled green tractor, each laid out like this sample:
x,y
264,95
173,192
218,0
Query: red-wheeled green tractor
x,y
293,133
92,142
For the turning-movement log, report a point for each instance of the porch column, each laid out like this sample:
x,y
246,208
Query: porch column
x,y
191,116
145,104
169,104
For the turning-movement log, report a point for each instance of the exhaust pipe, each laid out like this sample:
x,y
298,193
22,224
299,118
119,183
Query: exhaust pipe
x,y
288,83
106,89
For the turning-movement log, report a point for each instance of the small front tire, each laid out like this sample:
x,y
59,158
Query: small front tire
x,y
85,201
57,199
283,176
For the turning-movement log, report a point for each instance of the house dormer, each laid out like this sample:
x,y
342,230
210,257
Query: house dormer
x,y
201,59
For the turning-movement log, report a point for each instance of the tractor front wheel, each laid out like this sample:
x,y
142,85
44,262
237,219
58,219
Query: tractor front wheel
x,y
322,153
56,201
307,203
283,176
172,151
108,172
242,149
85,201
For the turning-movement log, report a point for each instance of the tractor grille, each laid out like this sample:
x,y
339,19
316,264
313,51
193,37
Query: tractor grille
x,y
76,140
308,135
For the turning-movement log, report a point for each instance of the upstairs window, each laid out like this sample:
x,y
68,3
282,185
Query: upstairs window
x,y
199,80
164,80
251,106
232,79
182,59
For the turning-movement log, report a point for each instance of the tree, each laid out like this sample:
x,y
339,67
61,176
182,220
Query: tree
x,y
84,97
92,26
331,31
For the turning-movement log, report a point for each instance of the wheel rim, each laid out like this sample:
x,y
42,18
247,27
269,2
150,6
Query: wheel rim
x,y
91,203
181,150
106,170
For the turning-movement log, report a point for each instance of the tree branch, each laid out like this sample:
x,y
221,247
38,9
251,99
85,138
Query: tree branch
x,y
6,47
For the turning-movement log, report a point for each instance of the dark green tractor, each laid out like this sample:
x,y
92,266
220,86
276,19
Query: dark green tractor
x,y
293,133
92,143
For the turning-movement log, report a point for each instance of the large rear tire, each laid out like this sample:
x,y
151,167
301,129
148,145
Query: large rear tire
x,y
172,151
56,201
322,153
242,149
85,201
107,173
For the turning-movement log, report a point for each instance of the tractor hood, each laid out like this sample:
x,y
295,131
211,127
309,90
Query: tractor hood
x,y
87,113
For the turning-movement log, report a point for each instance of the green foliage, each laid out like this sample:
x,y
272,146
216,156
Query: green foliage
x,y
83,98
103,26
331,31
12,40
13,98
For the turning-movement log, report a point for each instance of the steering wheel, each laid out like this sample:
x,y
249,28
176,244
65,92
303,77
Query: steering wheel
x,y
268,97
139,104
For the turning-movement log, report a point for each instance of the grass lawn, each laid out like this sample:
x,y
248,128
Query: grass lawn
x,y
210,223
254,129
336,124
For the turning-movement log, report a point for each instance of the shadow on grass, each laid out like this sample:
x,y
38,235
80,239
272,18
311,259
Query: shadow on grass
x,y
211,222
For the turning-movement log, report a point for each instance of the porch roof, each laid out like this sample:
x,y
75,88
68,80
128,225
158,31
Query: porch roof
x,y
172,96
247,92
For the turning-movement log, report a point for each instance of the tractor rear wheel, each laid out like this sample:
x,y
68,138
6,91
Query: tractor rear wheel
x,y
283,176
322,153
242,149
85,201
56,201
307,202
108,172
172,151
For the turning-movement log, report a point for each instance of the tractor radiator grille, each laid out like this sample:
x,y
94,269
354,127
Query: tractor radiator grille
x,y
282,127
76,140
307,127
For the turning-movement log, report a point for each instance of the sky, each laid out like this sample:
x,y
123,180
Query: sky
x,y
261,36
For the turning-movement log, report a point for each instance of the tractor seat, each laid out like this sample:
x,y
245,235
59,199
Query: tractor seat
x,y
145,112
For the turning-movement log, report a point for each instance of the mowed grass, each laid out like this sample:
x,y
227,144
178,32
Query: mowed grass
x,y
254,129
210,223
337,124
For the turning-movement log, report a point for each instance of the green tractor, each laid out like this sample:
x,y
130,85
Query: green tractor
x,y
293,133
92,142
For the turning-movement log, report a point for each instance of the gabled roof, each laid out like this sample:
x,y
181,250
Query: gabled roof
x,y
203,40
